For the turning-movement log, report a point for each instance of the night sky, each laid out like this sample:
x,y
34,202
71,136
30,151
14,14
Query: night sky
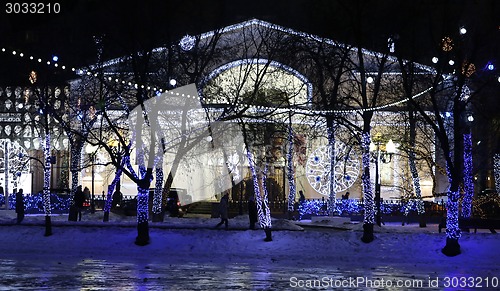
x,y
129,26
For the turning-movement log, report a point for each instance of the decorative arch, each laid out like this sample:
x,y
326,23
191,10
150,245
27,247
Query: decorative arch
x,y
255,61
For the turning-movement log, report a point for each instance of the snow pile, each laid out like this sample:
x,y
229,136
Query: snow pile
x,y
189,254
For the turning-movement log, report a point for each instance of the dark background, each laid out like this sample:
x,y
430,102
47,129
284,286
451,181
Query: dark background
x,y
129,26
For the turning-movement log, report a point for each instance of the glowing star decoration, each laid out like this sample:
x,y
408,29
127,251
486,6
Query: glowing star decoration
x,y
447,44
33,77
187,43
468,69
193,145
346,168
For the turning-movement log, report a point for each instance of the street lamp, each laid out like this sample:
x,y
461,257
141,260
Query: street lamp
x,y
92,151
384,155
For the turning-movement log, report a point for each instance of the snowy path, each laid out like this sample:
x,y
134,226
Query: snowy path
x,y
105,258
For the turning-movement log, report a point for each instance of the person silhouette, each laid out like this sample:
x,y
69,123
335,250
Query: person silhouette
x,y
223,211
79,200
20,205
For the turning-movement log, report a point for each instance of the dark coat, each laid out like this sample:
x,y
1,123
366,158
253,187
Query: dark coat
x,y
223,205
79,198
252,210
19,202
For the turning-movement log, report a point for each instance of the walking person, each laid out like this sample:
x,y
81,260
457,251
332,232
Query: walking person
x,y
20,205
79,200
252,211
223,210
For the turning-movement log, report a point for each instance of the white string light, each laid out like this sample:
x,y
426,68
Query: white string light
x,y
53,61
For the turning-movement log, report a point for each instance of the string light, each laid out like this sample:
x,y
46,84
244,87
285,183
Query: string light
x,y
53,61
452,228
34,203
496,171
264,220
46,177
468,179
290,171
347,206
157,196
369,216
416,187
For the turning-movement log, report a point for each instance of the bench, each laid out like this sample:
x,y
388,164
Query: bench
x,y
476,223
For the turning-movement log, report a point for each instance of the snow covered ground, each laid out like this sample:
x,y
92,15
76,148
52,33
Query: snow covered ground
x,y
188,254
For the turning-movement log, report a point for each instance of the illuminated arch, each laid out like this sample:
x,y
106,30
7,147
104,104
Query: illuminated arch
x,y
217,72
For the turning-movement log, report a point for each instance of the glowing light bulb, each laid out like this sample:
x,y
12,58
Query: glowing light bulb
x,y
435,60
55,58
463,30
173,82
451,62
369,80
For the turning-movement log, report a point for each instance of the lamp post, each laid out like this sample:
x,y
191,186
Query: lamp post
x,y
92,150
383,155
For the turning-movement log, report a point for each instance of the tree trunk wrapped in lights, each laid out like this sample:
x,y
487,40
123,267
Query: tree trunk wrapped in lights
x,y
111,188
46,185
157,196
369,214
331,144
290,172
414,173
75,152
496,171
261,197
468,179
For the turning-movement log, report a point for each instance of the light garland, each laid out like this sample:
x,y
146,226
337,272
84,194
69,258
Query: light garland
x,y
452,227
157,196
416,186
34,203
266,211
263,222
6,162
50,62
46,177
468,179
75,165
142,193
333,162
112,186
496,171
369,216
290,171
